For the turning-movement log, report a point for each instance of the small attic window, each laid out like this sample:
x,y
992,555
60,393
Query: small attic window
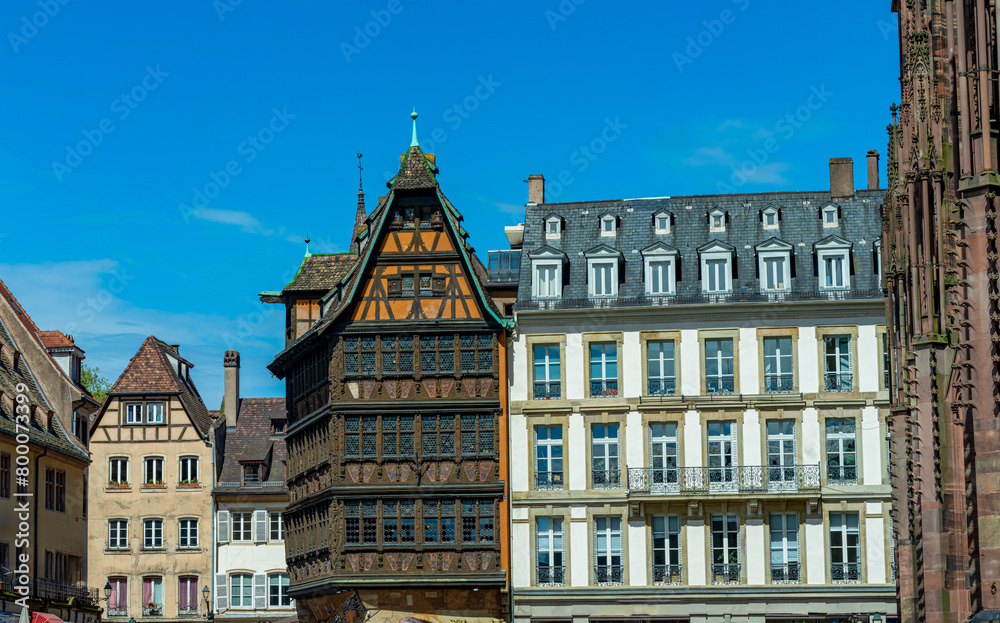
x,y
831,216
770,218
717,220
609,224
553,227
661,223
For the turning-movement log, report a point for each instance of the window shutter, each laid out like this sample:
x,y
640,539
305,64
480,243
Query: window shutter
x,y
259,591
259,526
437,285
395,287
221,592
222,532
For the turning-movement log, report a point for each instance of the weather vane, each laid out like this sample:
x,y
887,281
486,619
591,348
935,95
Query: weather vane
x,y
360,168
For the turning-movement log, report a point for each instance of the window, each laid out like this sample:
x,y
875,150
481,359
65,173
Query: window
x,y
661,223
252,474
548,280
4,475
603,369
553,227
187,595
722,460
834,271
838,375
770,217
608,225
608,551
548,457
277,591
118,471
154,413
152,596
437,353
361,436
361,521
781,457
833,263
476,353
886,362
477,434
242,522
359,354
550,567
398,522
841,452
660,370
725,549
845,548
133,413
877,261
439,521
663,457
720,375
189,470
118,600
188,533
606,473
716,275
717,221
397,435
784,548
774,274
152,534
831,216
779,374
153,471
659,277
603,279
276,526
397,354
118,534
438,435
547,382
241,590
50,488
666,549
478,521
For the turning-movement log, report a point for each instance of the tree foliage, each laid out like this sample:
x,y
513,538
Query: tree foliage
x,y
94,382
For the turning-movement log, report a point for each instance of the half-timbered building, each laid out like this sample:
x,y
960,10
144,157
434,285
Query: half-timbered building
x,y
397,461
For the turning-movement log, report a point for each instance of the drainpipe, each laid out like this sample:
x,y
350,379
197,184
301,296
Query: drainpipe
x,y
45,452
209,614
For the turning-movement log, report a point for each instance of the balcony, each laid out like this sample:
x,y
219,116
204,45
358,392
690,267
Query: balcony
x,y
607,478
551,575
661,387
842,474
779,383
548,480
845,572
503,265
152,610
838,382
608,575
754,479
667,574
118,610
699,298
547,390
53,590
604,388
720,385
787,573
726,574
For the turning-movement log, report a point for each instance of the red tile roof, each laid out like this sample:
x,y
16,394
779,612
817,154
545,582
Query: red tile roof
x,y
56,339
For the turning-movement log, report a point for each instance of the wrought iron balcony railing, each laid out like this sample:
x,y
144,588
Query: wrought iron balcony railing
x,y
667,574
700,298
610,575
726,574
155,610
661,387
549,480
838,381
552,575
845,572
720,384
118,610
547,390
607,388
741,479
842,474
53,589
787,573
607,478
779,383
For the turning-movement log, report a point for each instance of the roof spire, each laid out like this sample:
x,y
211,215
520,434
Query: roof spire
x,y
307,245
413,141
361,215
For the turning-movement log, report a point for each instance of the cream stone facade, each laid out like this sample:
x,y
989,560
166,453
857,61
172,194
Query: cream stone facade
x,y
150,531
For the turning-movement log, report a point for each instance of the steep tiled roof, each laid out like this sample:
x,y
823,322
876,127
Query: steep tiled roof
x,y
251,440
321,271
150,371
801,225
56,339
416,172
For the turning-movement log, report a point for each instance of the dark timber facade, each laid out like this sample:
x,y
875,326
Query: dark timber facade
x,y
941,267
397,452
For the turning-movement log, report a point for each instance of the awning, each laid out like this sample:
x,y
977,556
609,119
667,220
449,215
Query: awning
x,y
44,617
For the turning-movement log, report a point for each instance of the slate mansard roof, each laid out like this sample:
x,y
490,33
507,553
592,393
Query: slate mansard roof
x,y
251,440
801,225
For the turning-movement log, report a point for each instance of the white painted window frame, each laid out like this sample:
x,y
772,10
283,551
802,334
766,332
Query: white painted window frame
x,y
786,278
665,217
605,221
721,216
727,270
549,234
770,212
592,265
536,281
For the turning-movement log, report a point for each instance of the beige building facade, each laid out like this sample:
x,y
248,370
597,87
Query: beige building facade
x,y
150,527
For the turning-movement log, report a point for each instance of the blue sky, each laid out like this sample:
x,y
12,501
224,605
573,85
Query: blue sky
x,y
162,161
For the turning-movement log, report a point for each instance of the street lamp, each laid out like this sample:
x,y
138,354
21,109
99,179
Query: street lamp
x,y
877,618
208,604
107,591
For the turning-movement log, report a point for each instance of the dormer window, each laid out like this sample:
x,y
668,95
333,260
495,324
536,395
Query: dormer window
x,y
770,218
553,227
660,269
833,263
877,259
774,263
717,221
661,223
716,268
547,265
602,271
831,216
251,474
609,225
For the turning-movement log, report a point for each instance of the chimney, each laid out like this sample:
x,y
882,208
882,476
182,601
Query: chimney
x,y
872,169
231,397
536,189
841,178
